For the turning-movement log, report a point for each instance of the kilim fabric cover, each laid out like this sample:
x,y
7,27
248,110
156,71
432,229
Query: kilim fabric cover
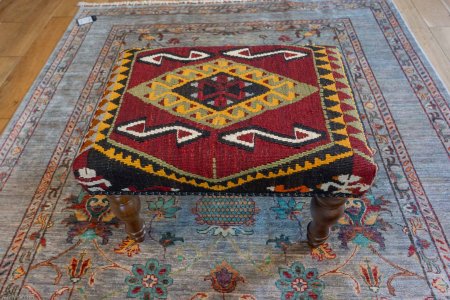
x,y
255,119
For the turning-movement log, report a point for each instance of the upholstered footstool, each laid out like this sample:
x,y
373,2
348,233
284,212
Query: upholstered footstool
x,y
237,120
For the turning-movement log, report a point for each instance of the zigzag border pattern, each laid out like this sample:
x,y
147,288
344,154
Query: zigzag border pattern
x,y
330,96
113,91
336,88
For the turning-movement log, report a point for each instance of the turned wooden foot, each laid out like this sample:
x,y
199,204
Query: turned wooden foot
x,y
325,211
127,209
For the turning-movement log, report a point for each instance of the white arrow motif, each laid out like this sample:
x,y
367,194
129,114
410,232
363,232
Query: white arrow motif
x,y
183,133
245,53
300,137
156,59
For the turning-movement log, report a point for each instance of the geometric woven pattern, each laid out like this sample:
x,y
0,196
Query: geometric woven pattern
x,y
227,119
168,92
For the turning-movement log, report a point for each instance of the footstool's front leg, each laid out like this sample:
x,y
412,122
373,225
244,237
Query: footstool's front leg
x,y
127,209
325,211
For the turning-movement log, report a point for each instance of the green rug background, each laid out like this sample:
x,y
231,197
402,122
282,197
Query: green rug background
x,y
55,241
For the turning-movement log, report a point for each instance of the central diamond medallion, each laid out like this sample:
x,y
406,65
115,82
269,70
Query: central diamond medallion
x,y
220,92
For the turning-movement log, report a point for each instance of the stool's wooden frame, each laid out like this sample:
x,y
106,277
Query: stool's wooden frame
x,y
127,209
325,212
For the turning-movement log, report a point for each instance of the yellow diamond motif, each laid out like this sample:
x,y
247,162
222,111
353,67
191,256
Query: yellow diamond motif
x,y
275,91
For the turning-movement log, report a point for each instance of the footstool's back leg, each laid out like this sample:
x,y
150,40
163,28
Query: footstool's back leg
x,y
127,209
325,211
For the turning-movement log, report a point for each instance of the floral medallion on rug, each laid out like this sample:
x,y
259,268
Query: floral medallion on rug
x,y
58,242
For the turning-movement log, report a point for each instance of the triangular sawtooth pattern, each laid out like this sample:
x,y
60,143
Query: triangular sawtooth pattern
x,y
109,102
320,159
330,95
348,105
355,127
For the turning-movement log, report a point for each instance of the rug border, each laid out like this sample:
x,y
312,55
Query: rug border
x,y
168,2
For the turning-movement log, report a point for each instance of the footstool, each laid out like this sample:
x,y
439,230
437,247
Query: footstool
x,y
258,120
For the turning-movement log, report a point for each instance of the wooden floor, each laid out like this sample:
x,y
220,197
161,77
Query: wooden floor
x,y
30,29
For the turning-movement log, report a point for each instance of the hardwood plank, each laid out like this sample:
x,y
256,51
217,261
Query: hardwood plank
x,y
446,4
3,123
4,4
16,38
442,35
7,65
10,44
67,8
19,11
426,39
433,12
19,81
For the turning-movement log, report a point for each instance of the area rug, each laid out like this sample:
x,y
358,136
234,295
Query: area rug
x,y
56,242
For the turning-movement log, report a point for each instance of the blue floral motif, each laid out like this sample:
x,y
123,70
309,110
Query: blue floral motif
x,y
287,208
282,242
150,281
163,208
298,282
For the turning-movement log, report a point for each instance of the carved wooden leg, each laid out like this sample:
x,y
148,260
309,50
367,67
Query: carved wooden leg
x,y
325,211
127,209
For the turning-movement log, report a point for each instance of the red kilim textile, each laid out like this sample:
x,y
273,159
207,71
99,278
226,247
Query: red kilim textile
x,y
227,119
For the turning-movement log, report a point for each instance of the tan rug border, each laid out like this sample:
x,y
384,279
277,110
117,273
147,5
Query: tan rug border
x,y
163,2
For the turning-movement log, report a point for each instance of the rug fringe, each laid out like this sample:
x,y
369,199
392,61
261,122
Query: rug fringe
x,y
164,2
